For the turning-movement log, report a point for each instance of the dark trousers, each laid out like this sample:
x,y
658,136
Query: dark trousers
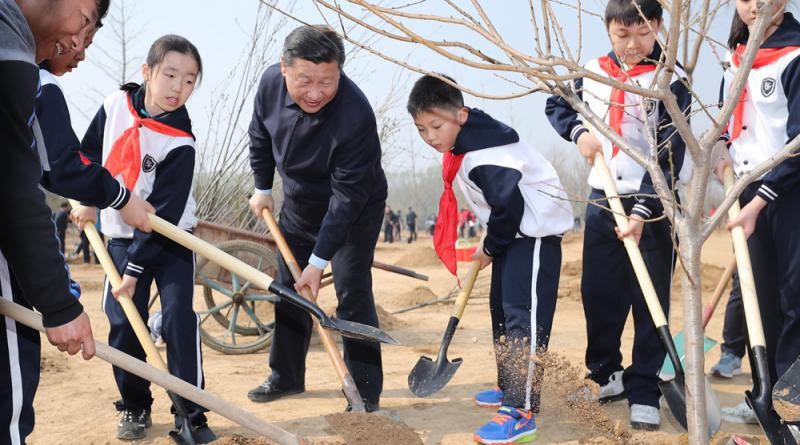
x,y
174,276
610,291
412,233
20,356
352,279
522,303
84,247
734,330
388,233
776,269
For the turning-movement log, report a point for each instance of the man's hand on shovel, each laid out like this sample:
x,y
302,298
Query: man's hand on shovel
x,y
311,277
73,336
126,287
481,257
635,228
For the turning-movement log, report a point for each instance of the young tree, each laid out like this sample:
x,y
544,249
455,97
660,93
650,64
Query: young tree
x,y
550,67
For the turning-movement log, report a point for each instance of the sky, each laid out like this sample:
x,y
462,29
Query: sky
x,y
221,31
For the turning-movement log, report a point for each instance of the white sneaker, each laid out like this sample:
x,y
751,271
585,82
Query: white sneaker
x,y
740,413
613,390
644,417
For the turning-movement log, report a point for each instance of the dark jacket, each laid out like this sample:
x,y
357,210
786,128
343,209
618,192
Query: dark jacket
x,y
329,161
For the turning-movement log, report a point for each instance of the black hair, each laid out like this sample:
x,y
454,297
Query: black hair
x,y
632,12
317,44
173,42
159,50
102,10
431,92
739,32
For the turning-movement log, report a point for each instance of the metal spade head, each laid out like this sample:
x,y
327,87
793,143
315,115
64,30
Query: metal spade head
x,y
776,431
357,331
429,376
786,394
188,434
674,392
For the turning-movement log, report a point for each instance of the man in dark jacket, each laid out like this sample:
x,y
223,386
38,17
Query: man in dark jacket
x,y
314,126
62,221
31,31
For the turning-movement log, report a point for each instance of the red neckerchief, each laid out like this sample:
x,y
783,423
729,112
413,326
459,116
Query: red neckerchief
x,y
617,108
446,231
126,154
764,57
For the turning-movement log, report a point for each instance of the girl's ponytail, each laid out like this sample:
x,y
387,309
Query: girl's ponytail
x,y
739,32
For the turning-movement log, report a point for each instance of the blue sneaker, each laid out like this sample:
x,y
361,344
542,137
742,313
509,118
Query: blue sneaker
x,y
491,398
509,426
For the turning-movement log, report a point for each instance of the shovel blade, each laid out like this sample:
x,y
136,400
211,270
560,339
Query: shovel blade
x,y
357,331
674,392
786,394
430,376
776,431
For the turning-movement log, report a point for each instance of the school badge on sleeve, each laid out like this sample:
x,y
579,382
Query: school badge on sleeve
x,y
148,164
767,86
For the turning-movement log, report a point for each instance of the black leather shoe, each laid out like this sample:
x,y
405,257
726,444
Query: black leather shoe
x,y
267,392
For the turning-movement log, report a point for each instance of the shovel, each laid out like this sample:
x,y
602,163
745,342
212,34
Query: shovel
x,y
761,401
348,384
680,342
135,366
430,376
674,391
187,434
786,394
347,328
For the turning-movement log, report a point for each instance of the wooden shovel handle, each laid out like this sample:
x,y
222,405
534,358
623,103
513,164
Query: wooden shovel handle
x,y
348,384
639,267
131,313
746,280
463,295
165,380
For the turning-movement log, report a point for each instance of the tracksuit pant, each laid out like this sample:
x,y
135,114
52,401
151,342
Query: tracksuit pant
x,y
20,355
173,274
610,291
776,269
522,302
352,279
734,329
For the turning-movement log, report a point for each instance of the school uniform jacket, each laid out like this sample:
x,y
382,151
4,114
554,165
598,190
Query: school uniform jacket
x,y
511,188
27,233
64,172
644,120
165,178
771,113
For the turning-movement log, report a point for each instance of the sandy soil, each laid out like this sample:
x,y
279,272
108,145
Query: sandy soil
x,y
75,400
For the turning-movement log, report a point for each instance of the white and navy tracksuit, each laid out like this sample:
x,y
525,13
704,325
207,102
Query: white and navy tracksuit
x,y
771,119
164,180
609,287
517,195
28,246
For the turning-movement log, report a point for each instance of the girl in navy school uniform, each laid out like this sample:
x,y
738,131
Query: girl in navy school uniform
x,y
142,136
765,119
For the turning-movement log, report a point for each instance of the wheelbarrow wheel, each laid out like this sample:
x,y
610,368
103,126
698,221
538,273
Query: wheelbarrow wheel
x,y
236,316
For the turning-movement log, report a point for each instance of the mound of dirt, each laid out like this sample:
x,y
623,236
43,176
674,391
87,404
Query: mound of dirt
x,y
371,429
422,257
387,320
420,294
241,440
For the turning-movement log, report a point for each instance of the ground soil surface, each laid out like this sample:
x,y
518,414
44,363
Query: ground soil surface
x,y
75,402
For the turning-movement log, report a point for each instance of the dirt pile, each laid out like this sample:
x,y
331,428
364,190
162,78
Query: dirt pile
x,y
420,294
371,429
424,257
241,440
387,320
